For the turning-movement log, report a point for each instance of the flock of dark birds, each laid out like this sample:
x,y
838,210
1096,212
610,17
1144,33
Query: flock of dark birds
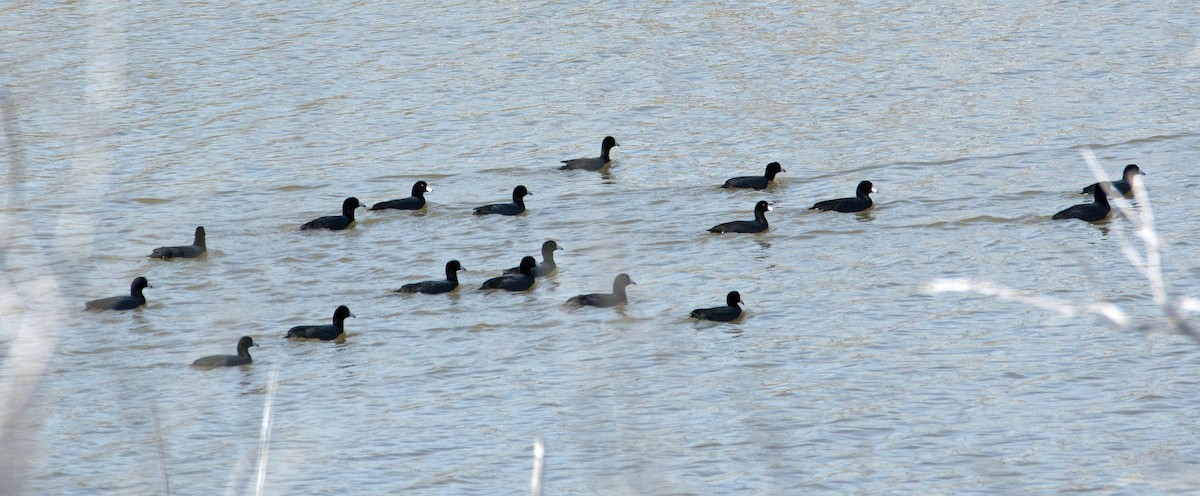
x,y
522,277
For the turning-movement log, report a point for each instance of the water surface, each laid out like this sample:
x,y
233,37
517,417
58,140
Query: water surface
x,y
126,125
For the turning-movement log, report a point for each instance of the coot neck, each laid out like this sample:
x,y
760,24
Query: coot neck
x,y
619,291
760,216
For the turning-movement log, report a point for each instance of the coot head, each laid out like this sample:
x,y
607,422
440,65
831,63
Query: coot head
x,y
244,345
733,298
622,280
865,189
138,285
420,188
527,265
341,313
774,168
349,205
519,192
1132,170
608,143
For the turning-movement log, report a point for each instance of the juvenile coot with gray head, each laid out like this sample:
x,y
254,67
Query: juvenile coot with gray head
x,y
731,310
436,287
547,267
759,224
592,163
1124,185
756,182
193,250
860,202
134,300
605,300
241,358
336,222
414,202
517,206
323,332
1089,212
514,282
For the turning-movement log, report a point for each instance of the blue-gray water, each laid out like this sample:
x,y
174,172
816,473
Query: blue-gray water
x,y
127,124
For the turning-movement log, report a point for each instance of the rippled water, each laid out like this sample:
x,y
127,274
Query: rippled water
x,y
125,125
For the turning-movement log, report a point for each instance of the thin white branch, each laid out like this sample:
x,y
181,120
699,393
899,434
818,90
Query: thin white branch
x,y
1147,261
539,454
162,449
1107,311
264,439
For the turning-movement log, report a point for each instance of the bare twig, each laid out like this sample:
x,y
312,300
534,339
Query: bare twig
x,y
1147,261
264,439
539,454
162,449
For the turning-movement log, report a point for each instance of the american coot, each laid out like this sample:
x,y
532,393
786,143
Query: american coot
x,y
517,206
605,300
730,311
592,163
759,224
193,250
134,300
756,182
324,332
1124,185
860,202
336,222
436,287
414,202
241,358
514,282
547,267
1090,212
